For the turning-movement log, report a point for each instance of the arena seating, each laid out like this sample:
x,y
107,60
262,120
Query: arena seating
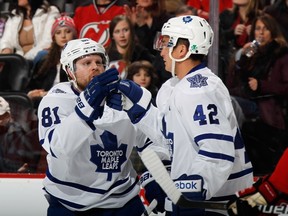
x,y
14,72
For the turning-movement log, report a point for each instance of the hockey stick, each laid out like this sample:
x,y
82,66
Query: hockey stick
x,y
161,176
150,208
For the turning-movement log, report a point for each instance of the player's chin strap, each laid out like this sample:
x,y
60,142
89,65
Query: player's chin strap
x,y
72,79
176,60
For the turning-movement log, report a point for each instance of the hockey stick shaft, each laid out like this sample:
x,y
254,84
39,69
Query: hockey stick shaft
x,y
162,177
150,208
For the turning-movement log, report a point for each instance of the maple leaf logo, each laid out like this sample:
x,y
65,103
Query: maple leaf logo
x,y
197,81
110,158
187,19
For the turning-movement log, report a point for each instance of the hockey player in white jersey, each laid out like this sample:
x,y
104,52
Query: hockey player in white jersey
x,y
88,143
195,115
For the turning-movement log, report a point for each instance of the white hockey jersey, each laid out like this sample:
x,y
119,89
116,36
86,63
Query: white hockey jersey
x,y
86,168
196,117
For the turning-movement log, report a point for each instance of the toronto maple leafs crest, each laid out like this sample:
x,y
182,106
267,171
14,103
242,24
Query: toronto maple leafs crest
x,y
109,158
197,81
187,19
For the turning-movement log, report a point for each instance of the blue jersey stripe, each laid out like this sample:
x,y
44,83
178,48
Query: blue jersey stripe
x,y
147,143
50,135
240,174
92,190
216,155
41,142
71,204
213,136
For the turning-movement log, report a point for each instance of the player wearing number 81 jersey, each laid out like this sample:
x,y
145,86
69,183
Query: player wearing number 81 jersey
x,y
88,143
195,114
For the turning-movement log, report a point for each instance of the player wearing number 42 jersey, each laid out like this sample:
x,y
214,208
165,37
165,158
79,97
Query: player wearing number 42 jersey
x,y
88,143
195,114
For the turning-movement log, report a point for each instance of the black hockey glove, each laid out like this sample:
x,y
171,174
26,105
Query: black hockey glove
x,y
90,103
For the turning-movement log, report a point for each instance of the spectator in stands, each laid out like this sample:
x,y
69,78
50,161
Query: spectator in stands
x,y
279,10
235,24
260,83
92,21
234,31
124,49
47,70
148,17
263,74
171,6
78,3
203,6
266,3
18,152
144,74
185,10
27,30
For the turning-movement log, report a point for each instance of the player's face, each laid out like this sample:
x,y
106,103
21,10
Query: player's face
x,y
63,35
142,78
165,53
121,34
88,67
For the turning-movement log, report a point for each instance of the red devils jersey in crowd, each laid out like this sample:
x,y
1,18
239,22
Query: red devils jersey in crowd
x,y
92,21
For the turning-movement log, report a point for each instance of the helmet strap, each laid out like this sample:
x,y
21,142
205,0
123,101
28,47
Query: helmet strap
x,y
173,68
72,79
176,60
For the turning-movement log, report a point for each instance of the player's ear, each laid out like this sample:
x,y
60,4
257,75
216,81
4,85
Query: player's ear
x,y
69,73
182,49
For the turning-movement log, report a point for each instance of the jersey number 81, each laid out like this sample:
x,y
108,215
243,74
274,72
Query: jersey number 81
x,y
48,115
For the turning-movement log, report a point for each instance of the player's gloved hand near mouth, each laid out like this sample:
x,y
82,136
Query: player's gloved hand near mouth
x,y
262,192
90,103
135,100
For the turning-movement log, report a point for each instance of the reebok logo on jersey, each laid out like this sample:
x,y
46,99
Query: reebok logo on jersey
x,y
189,185
197,81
